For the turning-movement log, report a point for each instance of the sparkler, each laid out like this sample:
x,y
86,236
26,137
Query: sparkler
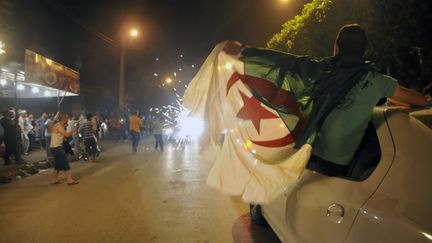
x,y
179,126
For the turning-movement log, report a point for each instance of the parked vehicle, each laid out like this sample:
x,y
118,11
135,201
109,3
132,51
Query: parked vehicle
x,y
386,197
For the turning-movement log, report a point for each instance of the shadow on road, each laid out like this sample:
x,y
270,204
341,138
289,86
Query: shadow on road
x,y
243,231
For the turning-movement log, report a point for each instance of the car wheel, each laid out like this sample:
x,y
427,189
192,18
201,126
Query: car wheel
x,y
256,215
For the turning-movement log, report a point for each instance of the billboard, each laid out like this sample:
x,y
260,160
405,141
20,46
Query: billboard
x,y
45,72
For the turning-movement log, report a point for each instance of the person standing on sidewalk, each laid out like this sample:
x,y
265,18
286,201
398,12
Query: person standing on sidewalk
x,y
41,122
22,123
49,123
157,132
30,126
58,134
10,137
135,125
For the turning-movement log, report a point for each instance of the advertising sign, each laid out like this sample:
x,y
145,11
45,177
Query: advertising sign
x,y
45,72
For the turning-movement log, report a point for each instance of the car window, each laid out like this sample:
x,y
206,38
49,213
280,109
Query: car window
x,y
365,159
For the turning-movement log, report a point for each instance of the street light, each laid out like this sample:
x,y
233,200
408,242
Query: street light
x,y
133,33
168,80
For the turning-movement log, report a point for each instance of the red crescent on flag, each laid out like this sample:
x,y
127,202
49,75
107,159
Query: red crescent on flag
x,y
276,97
281,142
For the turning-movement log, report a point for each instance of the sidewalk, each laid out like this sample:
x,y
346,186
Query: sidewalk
x,y
35,162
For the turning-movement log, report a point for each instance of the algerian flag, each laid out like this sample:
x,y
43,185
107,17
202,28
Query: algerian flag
x,y
260,103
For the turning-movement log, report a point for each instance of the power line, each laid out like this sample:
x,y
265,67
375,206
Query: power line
x,y
80,22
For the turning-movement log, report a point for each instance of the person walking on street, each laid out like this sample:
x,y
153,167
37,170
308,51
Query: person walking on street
x,y
157,132
89,138
94,124
58,134
135,125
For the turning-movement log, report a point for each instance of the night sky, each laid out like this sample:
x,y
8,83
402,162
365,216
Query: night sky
x,y
75,33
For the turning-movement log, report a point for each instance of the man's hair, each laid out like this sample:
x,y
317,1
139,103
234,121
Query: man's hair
x,y
63,116
89,116
351,40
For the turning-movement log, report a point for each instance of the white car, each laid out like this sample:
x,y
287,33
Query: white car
x,y
386,198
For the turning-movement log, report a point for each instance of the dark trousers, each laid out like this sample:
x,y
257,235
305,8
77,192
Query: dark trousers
x,y
42,138
159,141
135,140
47,146
32,138
91,147
11,147
329,168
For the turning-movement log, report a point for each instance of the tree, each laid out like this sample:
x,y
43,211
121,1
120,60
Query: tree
x,y
399,40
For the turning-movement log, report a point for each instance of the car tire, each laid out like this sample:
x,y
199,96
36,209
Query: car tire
x,y
256,215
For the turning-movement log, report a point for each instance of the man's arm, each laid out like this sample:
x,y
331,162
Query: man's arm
x,y
410,97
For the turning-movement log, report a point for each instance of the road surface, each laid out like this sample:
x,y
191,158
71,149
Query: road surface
x,y
146,197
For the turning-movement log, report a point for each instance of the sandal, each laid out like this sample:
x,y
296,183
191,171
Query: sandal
x,y
73,183
55,183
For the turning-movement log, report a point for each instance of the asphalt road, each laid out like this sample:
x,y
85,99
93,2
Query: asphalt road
x,y
146,197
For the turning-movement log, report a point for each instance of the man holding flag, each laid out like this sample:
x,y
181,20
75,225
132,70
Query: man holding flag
x,y
276,106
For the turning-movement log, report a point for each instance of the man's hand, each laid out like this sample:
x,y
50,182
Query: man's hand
x,y
233,48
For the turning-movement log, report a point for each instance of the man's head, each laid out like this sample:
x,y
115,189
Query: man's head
x,y
89,116
135,113
351,41
63,118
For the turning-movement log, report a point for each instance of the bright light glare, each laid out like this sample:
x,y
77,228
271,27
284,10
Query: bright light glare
x,y
47,93
190,128
133,32
168,80
20,87
169,131
2,82
283,1
155,74
228,65
35,90
427,235
2,48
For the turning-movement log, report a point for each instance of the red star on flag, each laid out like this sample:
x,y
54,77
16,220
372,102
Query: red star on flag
x,y
252,110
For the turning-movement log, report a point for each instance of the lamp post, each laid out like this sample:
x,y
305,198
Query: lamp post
x,y
133,33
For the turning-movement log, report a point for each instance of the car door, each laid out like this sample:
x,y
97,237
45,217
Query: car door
x,y
322,208
400,210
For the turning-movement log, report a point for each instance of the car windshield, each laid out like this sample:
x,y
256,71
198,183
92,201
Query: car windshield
x,y
424,116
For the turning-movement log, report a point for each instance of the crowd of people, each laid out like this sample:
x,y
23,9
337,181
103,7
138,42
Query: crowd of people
x,y
59,134
21,132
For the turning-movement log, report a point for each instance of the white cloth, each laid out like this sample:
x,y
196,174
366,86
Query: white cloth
x,y
240,167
